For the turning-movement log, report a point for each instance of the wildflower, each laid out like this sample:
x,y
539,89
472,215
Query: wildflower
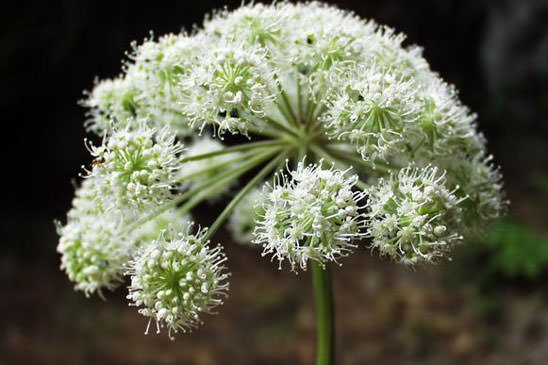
x,y
413,216
310,214
230,86
139,167
176,279
111,101
92,253
285,80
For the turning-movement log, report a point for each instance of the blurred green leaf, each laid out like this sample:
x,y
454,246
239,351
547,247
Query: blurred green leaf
x,y
517,250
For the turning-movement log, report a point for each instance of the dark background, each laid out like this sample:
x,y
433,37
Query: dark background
x,y
487,306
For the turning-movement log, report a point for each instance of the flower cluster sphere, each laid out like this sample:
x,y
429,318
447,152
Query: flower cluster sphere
x,y
138,167
176,279
380,153
414,216
312,214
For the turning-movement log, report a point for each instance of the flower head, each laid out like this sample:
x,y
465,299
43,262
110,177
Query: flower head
x,y
231,86
112,101
481,183
413,217
148,88
372,109
138,167
310,214
160,66
92,253
390,117
176,279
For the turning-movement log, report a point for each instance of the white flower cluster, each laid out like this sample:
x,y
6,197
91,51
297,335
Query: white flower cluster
x,y
301,40
413,216
371,111
229,85
176,279
92,254
392,118
148,87
312,214
481,183
111,101
309,63
95,245
231,73
137,168
302,79
132,172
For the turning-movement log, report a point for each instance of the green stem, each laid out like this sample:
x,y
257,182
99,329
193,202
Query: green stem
x,y
325,317
355,160
228,209
362,185
281,126
232,149
203,190
219,165
219,182
264,131
285,100
284,113
299,99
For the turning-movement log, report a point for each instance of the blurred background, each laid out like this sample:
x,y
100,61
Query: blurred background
x,y
486,306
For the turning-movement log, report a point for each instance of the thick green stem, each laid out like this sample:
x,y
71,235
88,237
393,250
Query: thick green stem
x,y
325,317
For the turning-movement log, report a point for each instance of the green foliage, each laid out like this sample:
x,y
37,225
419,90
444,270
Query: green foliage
x,y
517,250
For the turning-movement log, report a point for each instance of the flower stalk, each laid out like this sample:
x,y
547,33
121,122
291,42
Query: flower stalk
x,y
325,316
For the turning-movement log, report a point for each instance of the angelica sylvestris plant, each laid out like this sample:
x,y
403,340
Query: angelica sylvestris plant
x,y
341,138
